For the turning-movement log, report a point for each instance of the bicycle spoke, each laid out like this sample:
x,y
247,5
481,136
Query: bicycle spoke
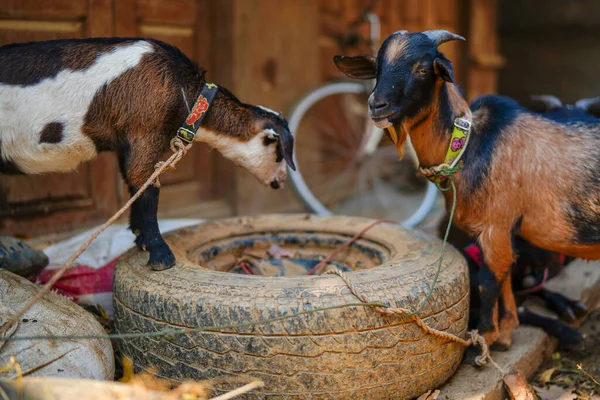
x,y
329,134
322,130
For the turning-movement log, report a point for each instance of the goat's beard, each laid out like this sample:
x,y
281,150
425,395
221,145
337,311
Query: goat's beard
x,y
399,137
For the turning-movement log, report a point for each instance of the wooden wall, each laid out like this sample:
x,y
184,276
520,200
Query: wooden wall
x,y
551,47
268,52
333,18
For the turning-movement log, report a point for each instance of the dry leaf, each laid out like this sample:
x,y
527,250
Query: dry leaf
x,y
429,396
546,376
554,392
518,388
277,252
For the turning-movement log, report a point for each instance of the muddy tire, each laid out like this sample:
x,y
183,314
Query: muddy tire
x,y
350,352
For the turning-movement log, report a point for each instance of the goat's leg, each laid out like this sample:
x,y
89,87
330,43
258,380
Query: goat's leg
x,y
510,318
494,279
569,310
567,335
143,215
489,291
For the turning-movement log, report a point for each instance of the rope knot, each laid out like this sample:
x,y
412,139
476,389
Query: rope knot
x,y
177,145
180,149
475,337
439,170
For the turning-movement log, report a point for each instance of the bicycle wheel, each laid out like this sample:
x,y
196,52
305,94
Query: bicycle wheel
x,y
331,178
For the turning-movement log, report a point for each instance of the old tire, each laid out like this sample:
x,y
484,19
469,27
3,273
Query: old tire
x,y
351,352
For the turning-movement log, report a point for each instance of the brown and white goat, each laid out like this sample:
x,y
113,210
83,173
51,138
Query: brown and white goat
x,y
524,174
64,101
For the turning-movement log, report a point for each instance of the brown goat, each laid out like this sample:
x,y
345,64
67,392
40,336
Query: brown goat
x,y
524,174
64,101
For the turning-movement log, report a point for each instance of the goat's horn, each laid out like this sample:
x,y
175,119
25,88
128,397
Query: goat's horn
x,y
585,104
440,36
402,32
552,102
286,143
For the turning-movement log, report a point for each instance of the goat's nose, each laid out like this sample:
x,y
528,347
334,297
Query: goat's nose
x,y
378,105
275,184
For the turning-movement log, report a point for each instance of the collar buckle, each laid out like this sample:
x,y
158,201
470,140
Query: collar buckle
x,y
463,124
185,135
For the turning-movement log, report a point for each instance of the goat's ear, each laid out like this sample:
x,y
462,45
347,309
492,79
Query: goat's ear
x,y
443,69
357,67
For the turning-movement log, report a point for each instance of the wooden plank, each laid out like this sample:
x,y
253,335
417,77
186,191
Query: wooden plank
x,y
483,45
126,22
171,12
44,10
105,177
41,26
221,70
270,74
24,189
100,22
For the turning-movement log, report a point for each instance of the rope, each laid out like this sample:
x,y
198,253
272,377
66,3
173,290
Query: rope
x,y
444,170
475,337
241,390
348,243
537,287
179,150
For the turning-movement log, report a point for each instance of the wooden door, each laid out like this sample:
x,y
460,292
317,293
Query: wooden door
x,y
201,183
31,205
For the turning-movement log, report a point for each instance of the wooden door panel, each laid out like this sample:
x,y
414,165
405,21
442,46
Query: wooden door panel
x,y
42,203
171,13
30,31
44,10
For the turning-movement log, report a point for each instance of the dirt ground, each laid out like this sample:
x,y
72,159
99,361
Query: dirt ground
x,y
560,378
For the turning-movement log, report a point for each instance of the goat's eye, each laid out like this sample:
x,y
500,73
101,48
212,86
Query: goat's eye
x,y
423,71
269,140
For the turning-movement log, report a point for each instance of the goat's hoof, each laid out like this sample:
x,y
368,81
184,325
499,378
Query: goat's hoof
x,y
570,339
161,266
579,309
505,331
500,346
568,315
140,242
161,258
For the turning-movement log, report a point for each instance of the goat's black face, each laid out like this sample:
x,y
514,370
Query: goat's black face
x,y
407,68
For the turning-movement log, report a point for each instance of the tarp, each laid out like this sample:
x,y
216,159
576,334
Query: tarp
x,y
89,280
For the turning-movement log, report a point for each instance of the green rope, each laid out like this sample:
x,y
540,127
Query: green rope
x,y
171,333
445,242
